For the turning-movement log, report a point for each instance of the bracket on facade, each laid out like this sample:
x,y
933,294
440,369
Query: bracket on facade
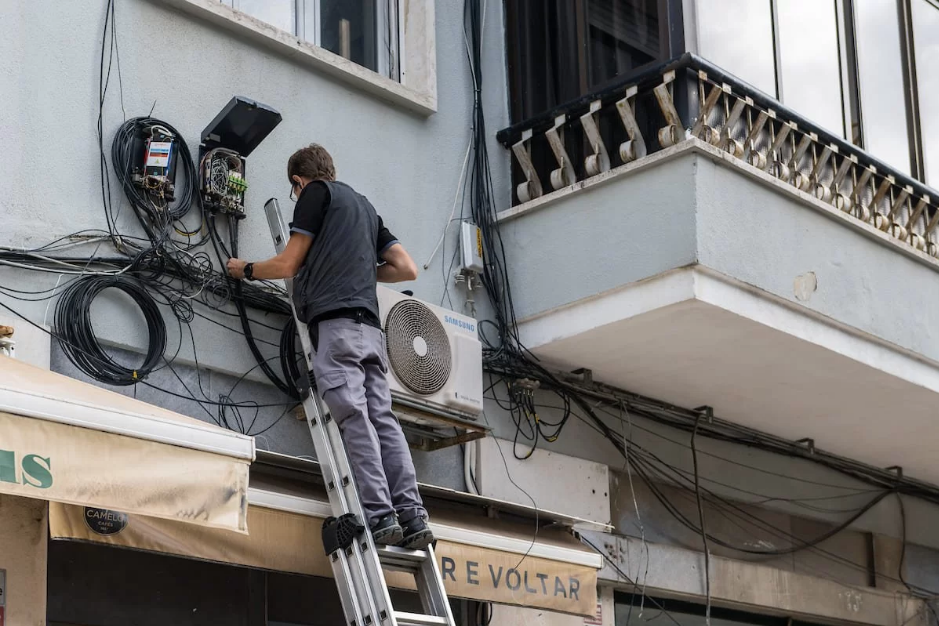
x,y
917,213
585,374
933,221
531,188
635,147
808,443
707,412
781,170
564,175
821,191
800,180
916,240
599,161
896,469
701,129
728,143
750,154
842,201
897,229
881,221
7,343
860,211
670,134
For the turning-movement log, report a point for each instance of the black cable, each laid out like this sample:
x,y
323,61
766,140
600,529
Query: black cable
x,y
79,343
626,577
288,388
704,534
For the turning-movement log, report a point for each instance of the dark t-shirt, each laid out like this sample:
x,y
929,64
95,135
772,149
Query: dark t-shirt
x,y
310,212
349,238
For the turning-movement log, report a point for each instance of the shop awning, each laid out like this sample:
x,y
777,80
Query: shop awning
x,y
480,559
66,441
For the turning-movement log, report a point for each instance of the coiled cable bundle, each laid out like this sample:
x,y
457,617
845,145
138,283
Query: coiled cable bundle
x,y
75,331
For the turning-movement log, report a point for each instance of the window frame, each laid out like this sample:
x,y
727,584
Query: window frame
x,y
671,29
416,92
307,16
850,77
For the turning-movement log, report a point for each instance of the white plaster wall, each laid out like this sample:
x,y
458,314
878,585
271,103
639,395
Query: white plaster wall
x,y
186,69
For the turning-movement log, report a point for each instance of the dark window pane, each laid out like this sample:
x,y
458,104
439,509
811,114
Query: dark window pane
x,y
811,67
302,601
104,586
880,69
279,13
349,28
622,35
737,35
544,55
559,50
926,47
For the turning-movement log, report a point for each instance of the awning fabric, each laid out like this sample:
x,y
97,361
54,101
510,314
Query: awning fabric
x,y
480,559
67,441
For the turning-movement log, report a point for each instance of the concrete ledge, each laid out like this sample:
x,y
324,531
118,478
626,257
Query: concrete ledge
x,y
693,145
422,101
679,573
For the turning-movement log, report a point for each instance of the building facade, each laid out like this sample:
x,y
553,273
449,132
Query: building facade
x,y
707,312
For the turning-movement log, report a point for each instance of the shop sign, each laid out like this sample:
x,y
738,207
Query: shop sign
x,y
508,578
104,521
32,469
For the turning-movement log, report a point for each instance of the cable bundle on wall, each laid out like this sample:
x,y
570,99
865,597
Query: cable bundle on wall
x,y
167,267
77,335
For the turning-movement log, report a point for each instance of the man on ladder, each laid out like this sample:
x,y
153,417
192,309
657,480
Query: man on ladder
x,y
337,241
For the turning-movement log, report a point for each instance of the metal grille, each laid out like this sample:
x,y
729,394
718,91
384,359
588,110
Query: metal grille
x,y
418,347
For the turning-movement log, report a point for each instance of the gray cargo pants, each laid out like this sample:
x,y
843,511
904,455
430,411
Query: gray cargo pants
x,y
350,366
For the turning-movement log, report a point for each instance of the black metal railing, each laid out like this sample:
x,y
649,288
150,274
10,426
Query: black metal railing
x,y
689,97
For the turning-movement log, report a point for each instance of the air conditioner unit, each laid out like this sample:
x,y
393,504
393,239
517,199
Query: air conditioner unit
x,y
434,355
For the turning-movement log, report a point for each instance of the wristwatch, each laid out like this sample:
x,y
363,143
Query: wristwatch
x,y
249,271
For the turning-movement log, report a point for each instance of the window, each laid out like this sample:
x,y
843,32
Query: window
x,y
786,48
810,61
880,78
363,31
561,49
926,51
737,35
862,69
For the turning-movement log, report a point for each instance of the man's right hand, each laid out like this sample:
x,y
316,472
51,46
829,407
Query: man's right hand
x,y
236,268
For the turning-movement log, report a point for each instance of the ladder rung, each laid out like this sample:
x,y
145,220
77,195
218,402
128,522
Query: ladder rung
x,y
401,558
415,619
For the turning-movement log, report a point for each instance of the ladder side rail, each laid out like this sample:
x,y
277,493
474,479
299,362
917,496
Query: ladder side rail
x,y
430,583
360,571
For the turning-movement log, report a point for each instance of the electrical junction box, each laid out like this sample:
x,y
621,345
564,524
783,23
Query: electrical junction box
x,y
471,246
228,139
556,482
241,126
156,149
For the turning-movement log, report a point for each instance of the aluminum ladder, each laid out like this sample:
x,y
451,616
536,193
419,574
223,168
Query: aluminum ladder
x,y
359,566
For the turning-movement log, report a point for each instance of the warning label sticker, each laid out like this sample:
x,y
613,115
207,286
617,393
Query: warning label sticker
x,y
158,155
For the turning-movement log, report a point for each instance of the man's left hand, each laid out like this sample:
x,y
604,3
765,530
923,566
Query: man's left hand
x,y
236,268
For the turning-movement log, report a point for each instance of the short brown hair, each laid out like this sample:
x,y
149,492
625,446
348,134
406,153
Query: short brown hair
x,y
312,162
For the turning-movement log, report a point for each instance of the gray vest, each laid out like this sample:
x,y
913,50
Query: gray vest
x,y
340,271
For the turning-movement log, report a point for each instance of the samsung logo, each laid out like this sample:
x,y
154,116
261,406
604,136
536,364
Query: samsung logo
x,y
460,323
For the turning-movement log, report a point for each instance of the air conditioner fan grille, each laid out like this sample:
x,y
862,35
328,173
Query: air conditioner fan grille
x,y
418,347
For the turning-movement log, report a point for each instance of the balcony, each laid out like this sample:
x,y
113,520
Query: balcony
x,y
714,248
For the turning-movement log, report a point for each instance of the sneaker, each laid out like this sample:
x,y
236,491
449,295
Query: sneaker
x,y
386,531
417,534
